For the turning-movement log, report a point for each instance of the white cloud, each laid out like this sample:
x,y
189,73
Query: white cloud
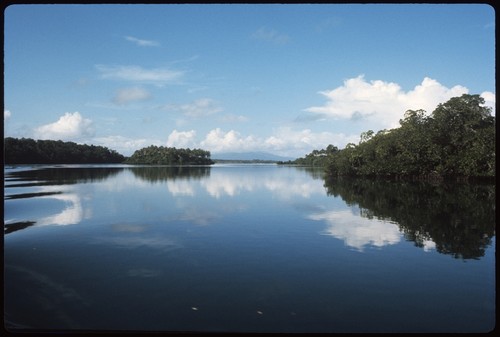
x,y
270,35
124,145
300,142
127,95
71,126
489,101
141,42
382,102
6,115
138,74
285,141
182,139
220,141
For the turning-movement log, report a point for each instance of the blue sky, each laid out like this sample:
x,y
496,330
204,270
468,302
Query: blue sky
x,y
284,79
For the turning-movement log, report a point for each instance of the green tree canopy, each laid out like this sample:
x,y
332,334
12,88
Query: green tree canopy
x,y
456,140
29,151
160,155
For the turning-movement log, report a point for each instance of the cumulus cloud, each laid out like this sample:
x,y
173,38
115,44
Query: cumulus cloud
x,y
290,142
6,115
125,145
489,100
284,141
182,139
141,42
270,35
138,74
220,141
127,95
71,126
382,102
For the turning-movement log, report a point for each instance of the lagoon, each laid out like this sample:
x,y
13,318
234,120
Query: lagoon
x,y
244,248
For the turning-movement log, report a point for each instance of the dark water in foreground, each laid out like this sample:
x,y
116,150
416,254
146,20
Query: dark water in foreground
x,y
244,248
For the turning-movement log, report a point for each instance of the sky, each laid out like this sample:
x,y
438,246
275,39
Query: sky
x,y
279,78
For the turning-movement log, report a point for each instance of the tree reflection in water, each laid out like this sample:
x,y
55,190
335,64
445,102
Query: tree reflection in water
x,y
164,173
458,218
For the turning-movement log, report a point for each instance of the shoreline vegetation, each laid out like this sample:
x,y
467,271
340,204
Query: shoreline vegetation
x,y
30,151
160,155
456,141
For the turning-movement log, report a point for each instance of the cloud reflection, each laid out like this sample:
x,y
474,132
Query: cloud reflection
x,y
223,184
199,216
180,187
72,214
429,245
282,185
356,231
133,242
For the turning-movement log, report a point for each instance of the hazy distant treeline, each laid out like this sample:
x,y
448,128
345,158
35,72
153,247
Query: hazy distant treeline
x,y
29,151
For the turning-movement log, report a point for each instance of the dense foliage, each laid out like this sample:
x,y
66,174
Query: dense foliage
x,y
315,158
29,151
456,140
154,155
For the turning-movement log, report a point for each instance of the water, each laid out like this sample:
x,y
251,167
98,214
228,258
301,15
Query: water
x,y
244,248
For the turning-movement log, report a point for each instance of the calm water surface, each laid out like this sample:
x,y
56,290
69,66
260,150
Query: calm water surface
x,y
244,248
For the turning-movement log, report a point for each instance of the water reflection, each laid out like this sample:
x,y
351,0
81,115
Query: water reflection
x,y
58,175
455,219
178,188
15,226
155,242
166,173
458,219
358,232
246,248
284,183
70,215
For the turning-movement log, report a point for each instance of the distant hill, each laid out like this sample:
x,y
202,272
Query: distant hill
x,y
249,156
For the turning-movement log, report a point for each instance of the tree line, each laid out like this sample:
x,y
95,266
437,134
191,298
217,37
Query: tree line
x,y
29,151
317,158
161,155
456,140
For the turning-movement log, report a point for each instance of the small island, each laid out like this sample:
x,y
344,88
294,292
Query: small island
x,y
161,155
